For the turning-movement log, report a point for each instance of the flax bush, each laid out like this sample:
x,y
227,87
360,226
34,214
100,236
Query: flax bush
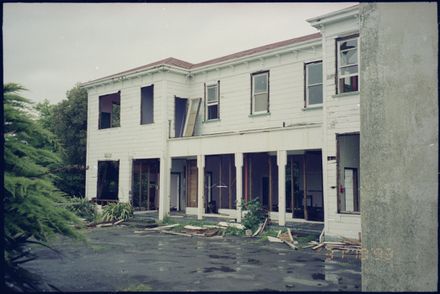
x,y
117,211
255,214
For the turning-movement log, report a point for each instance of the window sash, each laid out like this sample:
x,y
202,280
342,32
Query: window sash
x,y
258,94
212,101
311,85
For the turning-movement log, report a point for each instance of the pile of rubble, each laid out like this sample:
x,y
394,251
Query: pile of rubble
x,y
285,238
189,230
346,246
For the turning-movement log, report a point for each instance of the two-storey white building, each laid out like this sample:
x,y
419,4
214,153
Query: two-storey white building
x,y
279,123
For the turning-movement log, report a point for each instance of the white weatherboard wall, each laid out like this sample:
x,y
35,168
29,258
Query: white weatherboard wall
x,y
288,127
129,141
286,84
341,115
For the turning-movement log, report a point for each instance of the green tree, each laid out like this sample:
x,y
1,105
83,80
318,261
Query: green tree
x,y
32,210
68,121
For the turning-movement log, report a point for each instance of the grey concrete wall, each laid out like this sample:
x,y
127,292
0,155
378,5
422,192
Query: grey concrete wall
x,y
399,146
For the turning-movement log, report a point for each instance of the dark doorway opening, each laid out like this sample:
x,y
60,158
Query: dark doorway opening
x,y
145,187
108,181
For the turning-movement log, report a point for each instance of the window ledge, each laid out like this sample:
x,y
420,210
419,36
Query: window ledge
x,y
312,107
345,94
351,213
147,124
212,120
112,128
259,114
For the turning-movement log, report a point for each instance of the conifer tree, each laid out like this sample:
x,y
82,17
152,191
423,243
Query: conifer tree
x,y
32,210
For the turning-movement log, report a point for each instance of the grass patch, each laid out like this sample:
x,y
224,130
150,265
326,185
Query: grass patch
x,y
304,240
138,288
230,231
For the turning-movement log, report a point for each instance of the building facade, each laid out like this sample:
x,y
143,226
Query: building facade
x,y
279,123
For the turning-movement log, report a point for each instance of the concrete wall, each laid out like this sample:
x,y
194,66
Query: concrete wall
x,y
399,146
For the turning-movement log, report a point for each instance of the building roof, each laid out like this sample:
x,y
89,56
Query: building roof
x,y
188,66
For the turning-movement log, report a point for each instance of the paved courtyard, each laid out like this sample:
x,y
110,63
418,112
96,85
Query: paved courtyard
x,y
116,259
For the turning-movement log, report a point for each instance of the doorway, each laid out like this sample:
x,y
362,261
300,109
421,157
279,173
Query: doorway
x,y
175,192
145,187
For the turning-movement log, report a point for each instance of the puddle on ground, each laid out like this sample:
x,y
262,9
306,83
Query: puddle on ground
x,y
222,268
253,261
231,276
318,276
221,256
305,282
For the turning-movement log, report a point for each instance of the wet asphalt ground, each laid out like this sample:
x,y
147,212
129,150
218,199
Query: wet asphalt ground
x,y
116,259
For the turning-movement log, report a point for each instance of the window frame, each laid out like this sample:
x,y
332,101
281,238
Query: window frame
x,y
212,103
253,75
338,74
306,84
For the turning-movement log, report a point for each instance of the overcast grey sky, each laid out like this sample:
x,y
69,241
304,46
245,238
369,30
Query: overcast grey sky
x,y
48,48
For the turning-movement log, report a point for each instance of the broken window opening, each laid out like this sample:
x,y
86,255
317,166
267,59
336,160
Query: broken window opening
x,y
108,181
180,110
260,92
147,105
313,85
347,64
109,111
348,177
191,117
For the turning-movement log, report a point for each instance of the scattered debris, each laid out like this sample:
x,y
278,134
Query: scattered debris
x,y
321,236
104,225
347,246
291,245
161,228
260,229
175,233
279,233
233,225
189,227
273,239
248,233
118,222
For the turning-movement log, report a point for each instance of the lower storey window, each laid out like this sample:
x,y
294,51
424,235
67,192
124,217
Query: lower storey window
x,y
348,173
108,180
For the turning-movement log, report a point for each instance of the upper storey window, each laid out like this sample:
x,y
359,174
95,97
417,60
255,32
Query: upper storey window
x,y
313,83
260,93
147,105
110,111
348,64
212,101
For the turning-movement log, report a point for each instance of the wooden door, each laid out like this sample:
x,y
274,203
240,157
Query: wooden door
x,y
192,183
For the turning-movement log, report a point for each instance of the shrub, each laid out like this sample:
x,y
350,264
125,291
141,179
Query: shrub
x,y
117,211
82,208
255,214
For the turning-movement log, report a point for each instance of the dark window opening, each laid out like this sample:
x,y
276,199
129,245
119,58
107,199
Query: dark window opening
x,y
108,180
147,105
109,111
145,184
180,109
